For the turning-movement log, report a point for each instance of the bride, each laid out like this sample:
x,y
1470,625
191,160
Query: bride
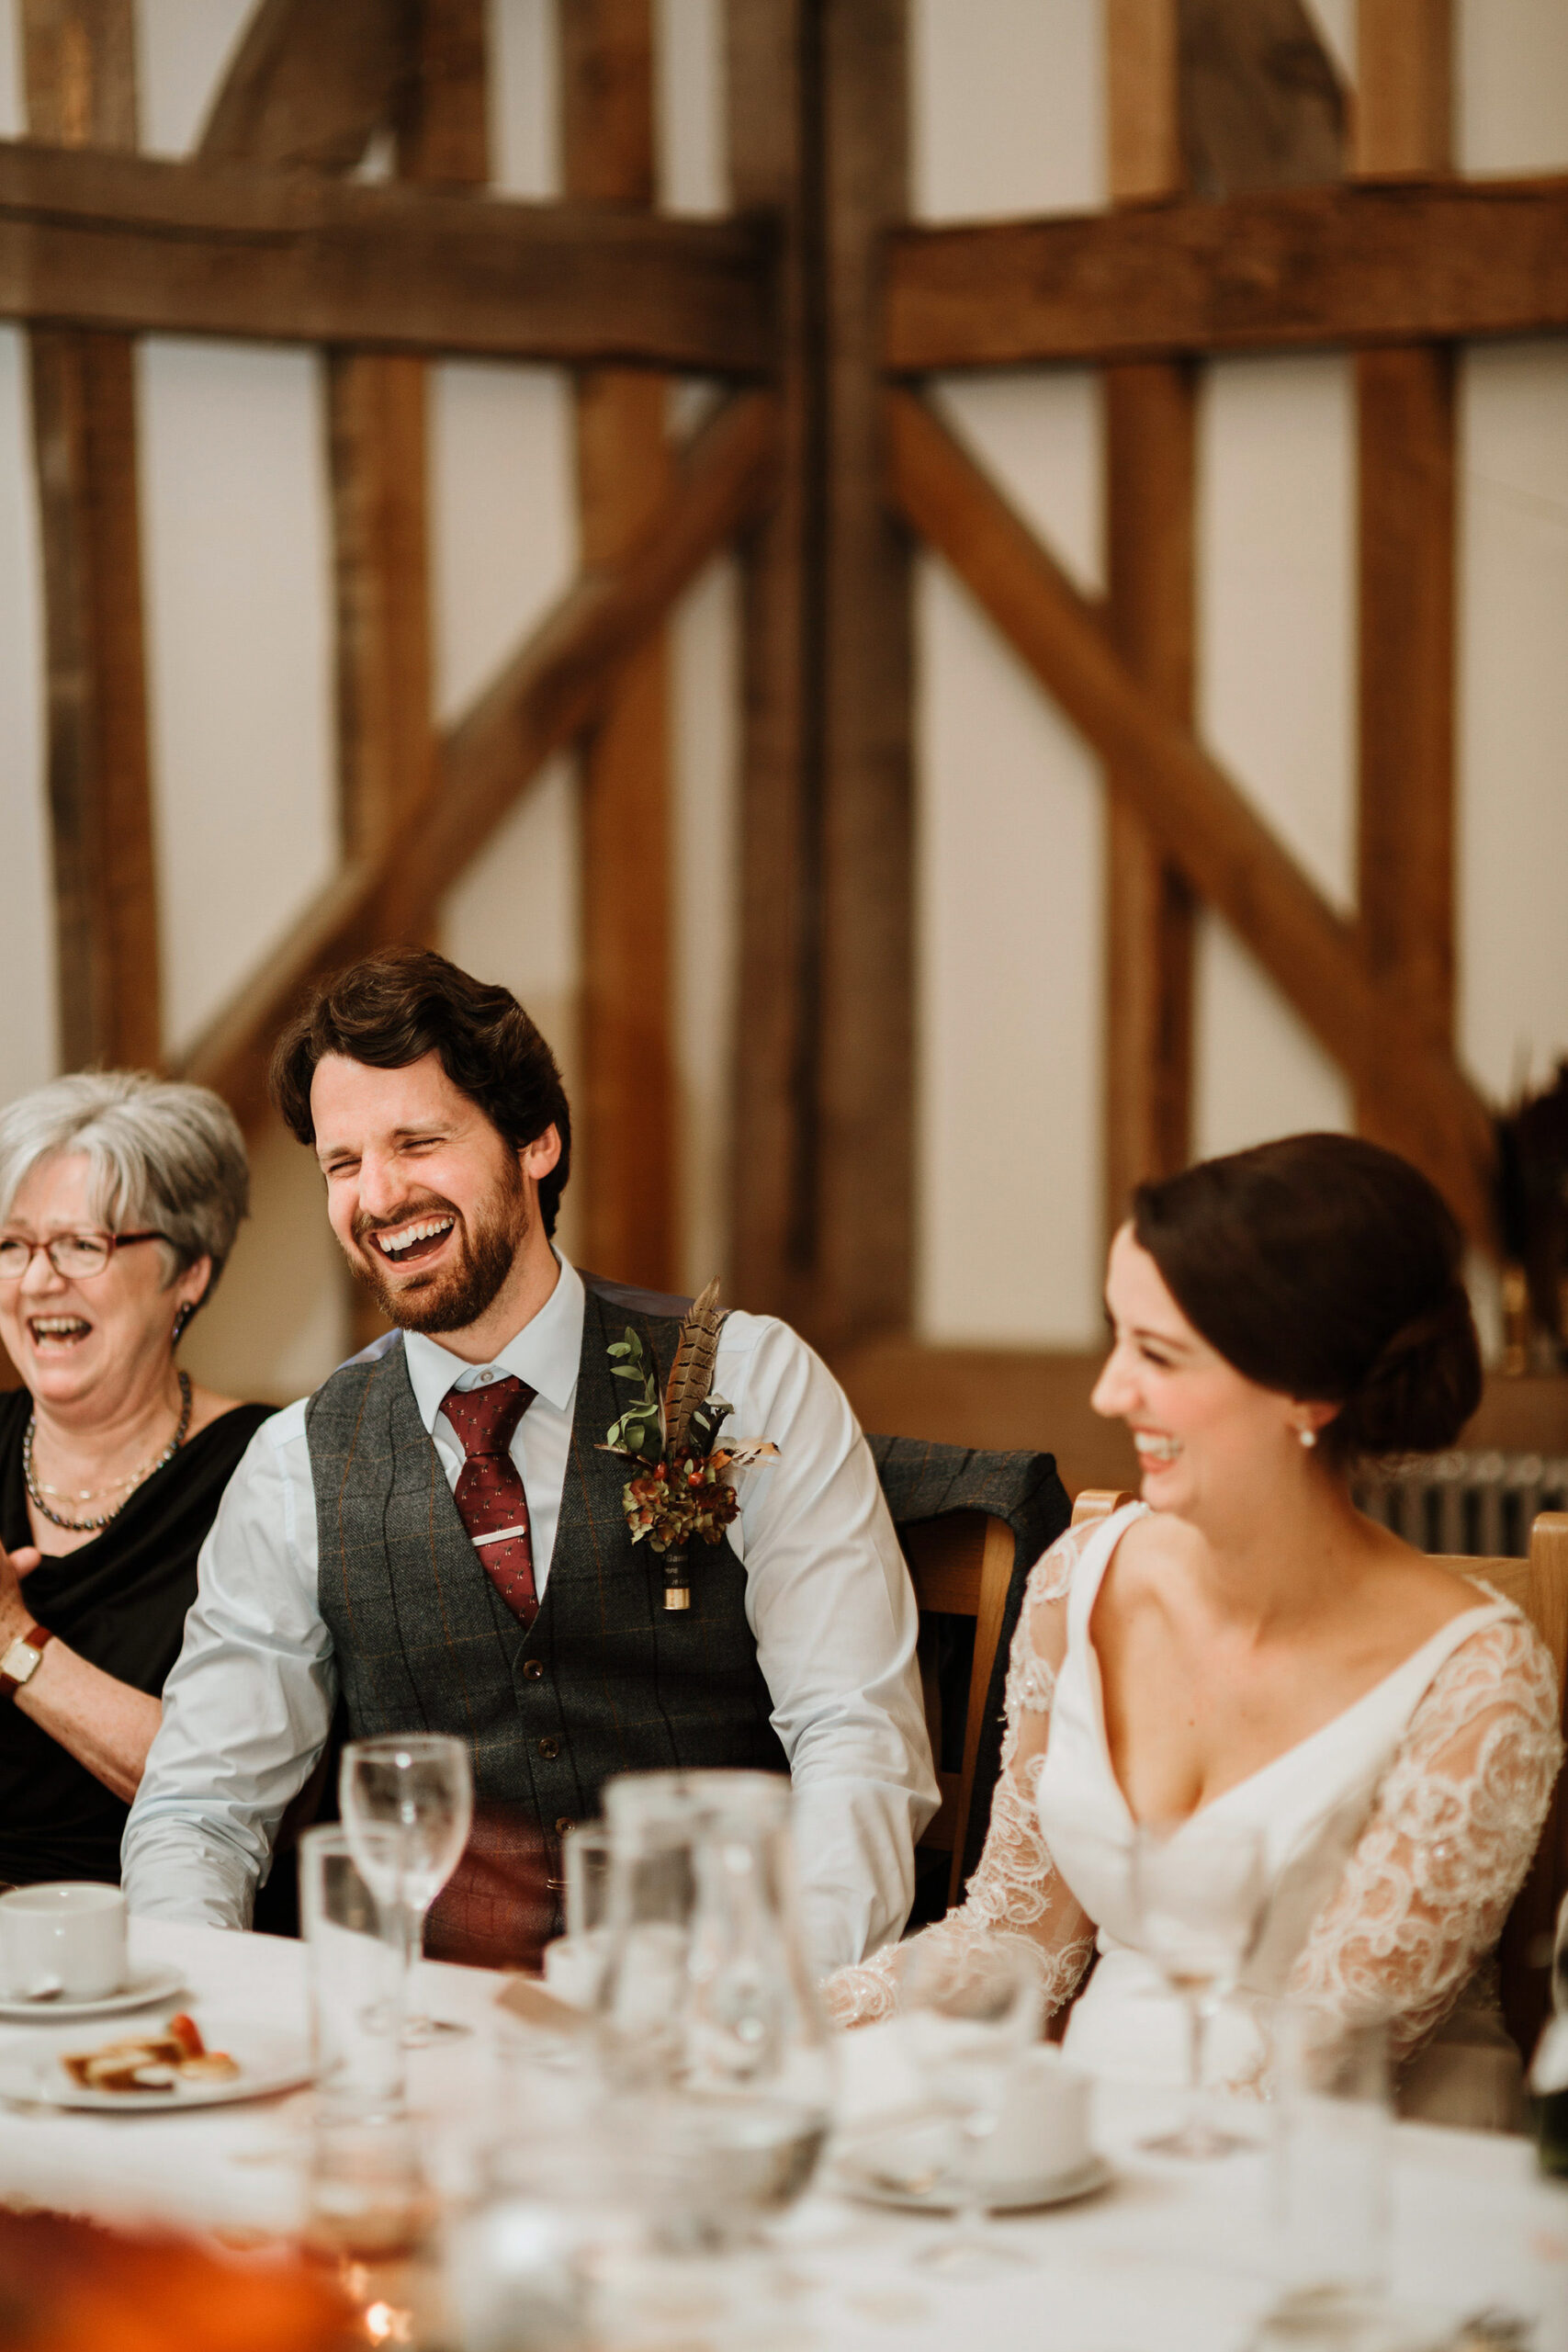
x,y
1243,1644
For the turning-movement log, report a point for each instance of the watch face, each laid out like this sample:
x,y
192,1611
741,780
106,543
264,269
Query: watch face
x,y
19,1661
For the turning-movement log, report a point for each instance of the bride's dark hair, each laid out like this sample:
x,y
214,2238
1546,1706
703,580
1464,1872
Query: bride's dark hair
x,y
1328,1268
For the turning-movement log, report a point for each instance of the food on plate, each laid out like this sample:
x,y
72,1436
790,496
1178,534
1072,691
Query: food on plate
x,y
152,2062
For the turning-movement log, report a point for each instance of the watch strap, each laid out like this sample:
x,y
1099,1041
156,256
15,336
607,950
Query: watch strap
x,y
36,1637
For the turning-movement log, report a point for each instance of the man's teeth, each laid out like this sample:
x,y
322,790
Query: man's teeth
x,y
1157,1449
392,1245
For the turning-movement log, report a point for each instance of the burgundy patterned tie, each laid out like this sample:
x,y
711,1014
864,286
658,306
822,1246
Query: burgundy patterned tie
x,y
489,1493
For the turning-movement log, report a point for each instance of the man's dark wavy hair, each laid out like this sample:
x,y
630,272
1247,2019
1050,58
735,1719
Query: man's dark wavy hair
x,y
395,1008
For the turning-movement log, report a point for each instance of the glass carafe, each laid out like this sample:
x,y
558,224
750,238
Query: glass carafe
x,y
714,2048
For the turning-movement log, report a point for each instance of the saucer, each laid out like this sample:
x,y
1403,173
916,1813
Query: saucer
x,y
145,1986
1007,2197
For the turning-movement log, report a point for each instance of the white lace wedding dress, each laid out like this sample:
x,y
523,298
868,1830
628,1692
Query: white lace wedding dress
x,y
1395,1835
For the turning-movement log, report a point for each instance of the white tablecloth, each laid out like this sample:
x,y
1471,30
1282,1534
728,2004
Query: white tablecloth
x,y
1173,2256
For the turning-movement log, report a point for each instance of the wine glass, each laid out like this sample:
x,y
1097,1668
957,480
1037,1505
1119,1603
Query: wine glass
x,y
970,2013
420,1785
1199,1886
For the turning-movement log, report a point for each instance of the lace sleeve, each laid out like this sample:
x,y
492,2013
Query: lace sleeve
x,y
1015,1889
1446,1848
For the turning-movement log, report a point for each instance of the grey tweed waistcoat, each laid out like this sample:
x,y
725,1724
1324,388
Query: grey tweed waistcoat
x,y
605,1680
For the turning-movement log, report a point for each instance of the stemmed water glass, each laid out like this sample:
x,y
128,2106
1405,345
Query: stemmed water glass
x,y
970,2013
1199,1886
419,1786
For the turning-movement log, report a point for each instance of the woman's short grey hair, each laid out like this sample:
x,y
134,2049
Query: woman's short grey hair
x,y
164,1157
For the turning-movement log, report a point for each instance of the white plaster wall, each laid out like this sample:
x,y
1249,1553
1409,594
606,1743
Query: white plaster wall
x,y
237,561
1511,60
524,122
1276,703
1006,112
1009,892
183,48
1512,715
1007,107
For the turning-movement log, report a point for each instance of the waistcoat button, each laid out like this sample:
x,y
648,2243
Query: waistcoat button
x,y
532,1669
564,1826
550,1745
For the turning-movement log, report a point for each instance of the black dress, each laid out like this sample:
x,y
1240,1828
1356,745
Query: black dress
x,y
120,1601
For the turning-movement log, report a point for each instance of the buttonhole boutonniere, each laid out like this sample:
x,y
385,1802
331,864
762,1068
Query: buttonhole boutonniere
x,y
681,1488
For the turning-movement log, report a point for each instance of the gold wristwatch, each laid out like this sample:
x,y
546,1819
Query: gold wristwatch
x,y
20,1662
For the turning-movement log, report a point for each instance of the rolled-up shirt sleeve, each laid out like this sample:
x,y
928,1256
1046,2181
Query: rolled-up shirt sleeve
x,y
830,1602
248,1706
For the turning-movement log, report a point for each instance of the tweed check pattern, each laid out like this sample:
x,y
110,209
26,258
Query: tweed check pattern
x,y
489,1493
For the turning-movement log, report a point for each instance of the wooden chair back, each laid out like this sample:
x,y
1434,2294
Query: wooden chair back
x,y
1538,1586
1099,1502
962,1565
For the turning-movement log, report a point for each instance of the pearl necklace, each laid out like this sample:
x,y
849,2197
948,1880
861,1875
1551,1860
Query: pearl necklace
x,y
90,1526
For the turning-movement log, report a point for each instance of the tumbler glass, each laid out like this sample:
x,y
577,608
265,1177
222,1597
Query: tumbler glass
x,y
1332,2163
354,1958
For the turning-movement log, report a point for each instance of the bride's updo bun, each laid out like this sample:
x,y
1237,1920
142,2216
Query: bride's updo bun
x,y
1330,1270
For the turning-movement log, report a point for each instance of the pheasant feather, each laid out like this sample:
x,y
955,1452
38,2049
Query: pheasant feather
x,y
690,1374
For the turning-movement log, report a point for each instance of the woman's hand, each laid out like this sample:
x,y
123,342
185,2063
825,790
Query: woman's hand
x,y
15,1617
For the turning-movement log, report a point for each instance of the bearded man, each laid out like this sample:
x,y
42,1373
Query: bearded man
x,y
436,1539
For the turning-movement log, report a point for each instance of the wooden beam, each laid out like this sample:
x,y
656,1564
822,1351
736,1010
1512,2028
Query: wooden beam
x,y
79,69
1142,108
1404,104
1261,103
386,735
310,83
866,1173
443,118
1406,504
773,57
626,1102
1150,446
1200,816
377,426
823,1148
1302,268
553,687
125,242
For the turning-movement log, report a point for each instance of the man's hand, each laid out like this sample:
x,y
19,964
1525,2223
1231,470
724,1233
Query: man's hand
x,y
15,1615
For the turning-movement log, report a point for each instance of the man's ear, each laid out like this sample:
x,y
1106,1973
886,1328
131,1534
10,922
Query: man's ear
x,y
537,1158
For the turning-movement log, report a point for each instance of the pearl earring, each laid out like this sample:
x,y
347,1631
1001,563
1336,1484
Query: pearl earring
x,y
1308,1438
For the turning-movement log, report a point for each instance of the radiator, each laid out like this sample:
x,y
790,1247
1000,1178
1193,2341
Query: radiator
x,y
1482,1504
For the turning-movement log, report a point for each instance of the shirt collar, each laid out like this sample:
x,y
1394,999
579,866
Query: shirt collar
x,y
547,1353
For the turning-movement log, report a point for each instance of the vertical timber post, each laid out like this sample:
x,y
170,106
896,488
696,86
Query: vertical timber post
x,y
1405,539
625,1126
1149,462
378,443
79,69
824,1178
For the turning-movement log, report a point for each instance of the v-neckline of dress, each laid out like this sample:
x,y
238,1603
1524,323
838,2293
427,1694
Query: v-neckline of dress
x,y
1484,1609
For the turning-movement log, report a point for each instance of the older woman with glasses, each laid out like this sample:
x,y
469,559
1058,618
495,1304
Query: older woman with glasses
x,y
120,1199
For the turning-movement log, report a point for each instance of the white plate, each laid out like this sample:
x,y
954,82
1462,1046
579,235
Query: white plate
x,y
1012,2197
146,1986
30,2071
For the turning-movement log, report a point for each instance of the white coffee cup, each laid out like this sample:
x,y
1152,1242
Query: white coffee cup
x,y
64,1940
1042,2134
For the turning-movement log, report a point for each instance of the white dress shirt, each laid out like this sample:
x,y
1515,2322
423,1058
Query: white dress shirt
x,y
247,1708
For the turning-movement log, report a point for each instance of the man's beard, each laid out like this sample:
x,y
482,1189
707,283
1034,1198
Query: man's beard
x,y
452,1296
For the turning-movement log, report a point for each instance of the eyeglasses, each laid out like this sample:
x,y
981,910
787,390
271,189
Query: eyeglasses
x,y
76,1256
